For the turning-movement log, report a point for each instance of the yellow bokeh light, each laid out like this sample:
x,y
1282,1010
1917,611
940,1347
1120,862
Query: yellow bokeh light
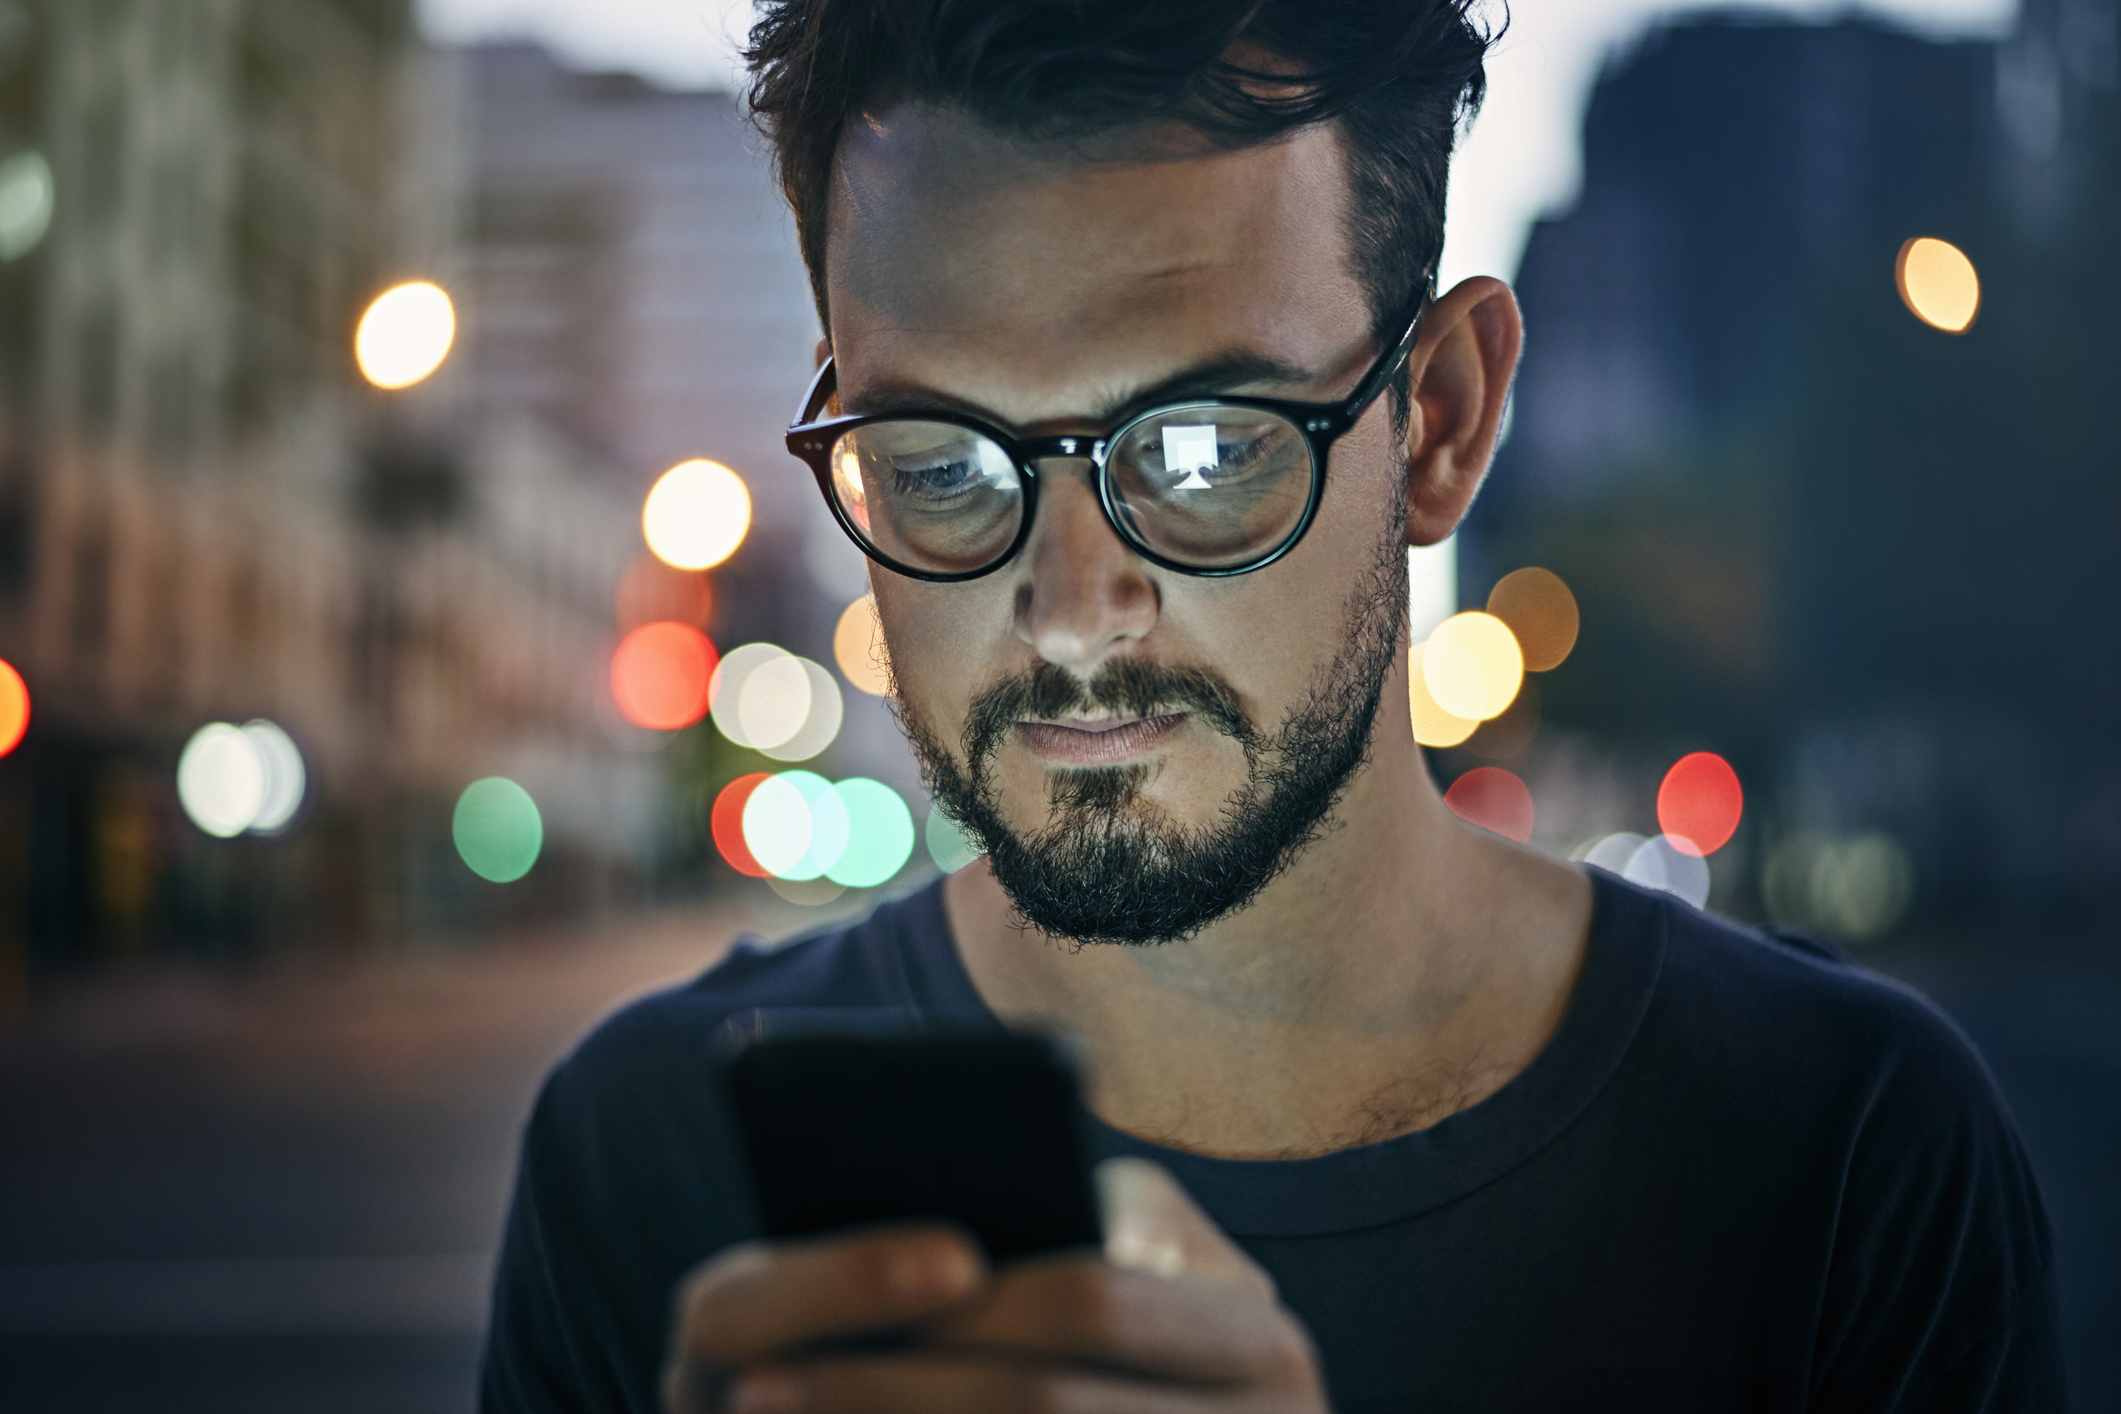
x,y
1432,725
858,647
1541,612
697,514
405,334
1473,666
1938,284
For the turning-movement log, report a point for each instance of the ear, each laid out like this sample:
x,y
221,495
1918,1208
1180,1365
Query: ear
x,y
822,352
1461,371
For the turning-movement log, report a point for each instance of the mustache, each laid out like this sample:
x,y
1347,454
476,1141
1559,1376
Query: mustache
x,y
1122,685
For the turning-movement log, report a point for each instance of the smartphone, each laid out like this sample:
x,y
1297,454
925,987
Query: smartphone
x,y
982,1130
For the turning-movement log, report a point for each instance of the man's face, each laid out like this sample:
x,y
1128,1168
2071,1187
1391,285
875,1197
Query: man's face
x,y
1142,750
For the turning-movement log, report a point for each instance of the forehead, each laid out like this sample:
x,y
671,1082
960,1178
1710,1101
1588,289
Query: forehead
x,y
1024,278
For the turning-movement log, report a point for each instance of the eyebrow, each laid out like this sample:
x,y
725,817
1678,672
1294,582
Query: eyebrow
x,y
1225,373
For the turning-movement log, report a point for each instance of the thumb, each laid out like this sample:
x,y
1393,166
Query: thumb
x,y
1151,1225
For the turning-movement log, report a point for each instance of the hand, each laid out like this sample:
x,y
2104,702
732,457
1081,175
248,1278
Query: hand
x,y
1173,1320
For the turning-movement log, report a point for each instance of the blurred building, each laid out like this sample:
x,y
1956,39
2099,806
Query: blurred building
x,y
205,514
1856,554
634,286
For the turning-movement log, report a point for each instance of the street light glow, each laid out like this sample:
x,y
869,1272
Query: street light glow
x,y
696,515
405,334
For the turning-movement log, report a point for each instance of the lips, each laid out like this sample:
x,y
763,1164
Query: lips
x,y
1098,743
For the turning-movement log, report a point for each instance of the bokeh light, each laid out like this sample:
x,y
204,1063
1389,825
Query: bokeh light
x,y
823,711
830,826
405,334
650,591
949,846
1432,725
1851,887
1938,284
25,203
14,707
1671,865
879,834
498,830
765,698
220,780
660,675
1540,613
1700,802
726,824
696,515
1494,799
1611,852
858,647
285,778
1473,666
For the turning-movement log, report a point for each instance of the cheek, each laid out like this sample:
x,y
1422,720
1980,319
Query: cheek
x,y
943,640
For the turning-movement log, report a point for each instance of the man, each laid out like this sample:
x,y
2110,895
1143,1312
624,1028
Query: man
x,y
1135,397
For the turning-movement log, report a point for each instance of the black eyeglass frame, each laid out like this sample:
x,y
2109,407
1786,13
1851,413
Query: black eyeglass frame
x,y
1322,424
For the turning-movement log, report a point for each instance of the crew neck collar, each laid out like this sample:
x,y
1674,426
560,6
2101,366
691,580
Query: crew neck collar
x,y
1394,1179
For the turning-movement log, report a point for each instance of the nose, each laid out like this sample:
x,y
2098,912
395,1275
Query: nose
x,y
1081,593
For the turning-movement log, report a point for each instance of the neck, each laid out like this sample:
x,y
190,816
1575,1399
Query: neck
x,y
1404,967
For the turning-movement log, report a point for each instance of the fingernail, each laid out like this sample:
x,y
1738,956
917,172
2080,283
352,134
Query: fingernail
x,y
767,1392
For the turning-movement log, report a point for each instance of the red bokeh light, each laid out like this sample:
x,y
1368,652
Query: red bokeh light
x,y
1700,802
660,674
14,707
727,823
1493,799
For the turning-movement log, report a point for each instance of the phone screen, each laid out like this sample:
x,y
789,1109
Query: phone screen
x,y
984,1131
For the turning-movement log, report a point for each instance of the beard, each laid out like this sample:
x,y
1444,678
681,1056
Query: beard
x,y
1108,866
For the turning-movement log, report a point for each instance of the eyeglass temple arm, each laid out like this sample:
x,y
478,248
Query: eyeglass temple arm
x,y
1388,369
821,389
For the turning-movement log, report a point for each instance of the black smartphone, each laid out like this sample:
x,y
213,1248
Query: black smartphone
x,y
980,1130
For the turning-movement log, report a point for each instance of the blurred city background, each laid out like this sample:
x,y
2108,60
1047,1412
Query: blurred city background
x,y
414,637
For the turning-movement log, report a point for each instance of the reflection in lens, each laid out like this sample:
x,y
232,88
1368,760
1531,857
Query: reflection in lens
x,y
1211,486
932,495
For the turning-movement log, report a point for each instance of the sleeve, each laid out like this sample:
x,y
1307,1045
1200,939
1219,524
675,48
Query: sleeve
x,y
1941,1298
625,1183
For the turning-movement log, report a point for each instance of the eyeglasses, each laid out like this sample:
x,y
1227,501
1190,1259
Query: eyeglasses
x,y
1208,486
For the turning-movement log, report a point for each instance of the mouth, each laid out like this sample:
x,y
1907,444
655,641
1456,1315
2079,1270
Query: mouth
x,y
1102,741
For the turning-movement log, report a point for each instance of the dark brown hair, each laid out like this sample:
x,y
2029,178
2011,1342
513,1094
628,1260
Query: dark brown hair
x,y
1397,75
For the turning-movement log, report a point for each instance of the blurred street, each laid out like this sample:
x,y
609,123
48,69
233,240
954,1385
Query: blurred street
x,y
281,1193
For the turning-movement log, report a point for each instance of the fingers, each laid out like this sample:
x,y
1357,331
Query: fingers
x,y
756,1301
1081,1311
1152,1226
935,1384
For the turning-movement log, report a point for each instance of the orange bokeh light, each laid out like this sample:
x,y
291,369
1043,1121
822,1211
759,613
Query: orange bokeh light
x,y
14,707
726,822
1493,799
650,590
1541,611
660,675
1700,802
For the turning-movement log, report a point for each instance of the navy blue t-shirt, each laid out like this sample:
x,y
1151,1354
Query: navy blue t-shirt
x,y
1743,1175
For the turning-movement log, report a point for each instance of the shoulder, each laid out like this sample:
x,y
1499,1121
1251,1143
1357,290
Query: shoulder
x,y
1790,1013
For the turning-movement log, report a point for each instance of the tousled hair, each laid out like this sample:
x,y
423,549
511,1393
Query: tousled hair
x,y
1398,76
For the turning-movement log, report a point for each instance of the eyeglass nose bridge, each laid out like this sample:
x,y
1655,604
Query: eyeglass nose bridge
x,y
1037,449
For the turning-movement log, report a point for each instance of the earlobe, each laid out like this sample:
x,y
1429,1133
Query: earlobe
x,y
1462,370
822,352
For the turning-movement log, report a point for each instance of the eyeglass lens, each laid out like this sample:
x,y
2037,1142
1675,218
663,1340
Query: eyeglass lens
x,y
1207,486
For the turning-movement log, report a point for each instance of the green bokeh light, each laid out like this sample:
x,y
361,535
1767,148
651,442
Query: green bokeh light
x,y
879,834
498,829
948,846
